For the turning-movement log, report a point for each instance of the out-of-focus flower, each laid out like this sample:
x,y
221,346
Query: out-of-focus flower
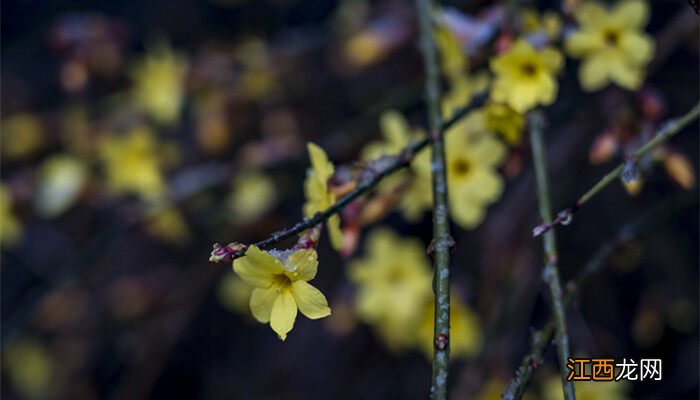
x,y
21,135
131,164
11,227
257,80
159,84
612,44
455,68
587,390
465,330
680,169
213,129
505,121
373,43
392,286
254,193
525,76
234,294
61,179
29,368
318,195
281,286
547,23
167,223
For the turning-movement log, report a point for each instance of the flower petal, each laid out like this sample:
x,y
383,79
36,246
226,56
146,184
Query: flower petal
x,y
593,73
258,268
261,302
323,169
283,314
311,302
633,14
638,48
304,263
591,14
334,232
580,44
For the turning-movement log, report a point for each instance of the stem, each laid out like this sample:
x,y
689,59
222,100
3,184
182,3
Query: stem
x,y
551,272
667,130
515,389
442,241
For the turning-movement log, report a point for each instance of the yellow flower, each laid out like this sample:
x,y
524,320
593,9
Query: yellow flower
x,y
504,120
465,330
393,285
21,135
396,134
167,223
525,76
612,44
281,286
30,368
318,195
131,164
11,227
472,159
61,179
548,23
254,193
587,390
159,84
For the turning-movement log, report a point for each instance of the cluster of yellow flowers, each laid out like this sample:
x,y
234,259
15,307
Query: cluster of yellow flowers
x,y
394,296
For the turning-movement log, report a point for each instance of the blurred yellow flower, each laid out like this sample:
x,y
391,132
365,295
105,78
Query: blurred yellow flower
x,y
505,121
525,76
21,135
131,164
60,181
281,286
587,390
234,294
257,79
318,195
167,223
392,286
547,22
465,330
159,84
29,368
612,44
396,134
10,227
254,193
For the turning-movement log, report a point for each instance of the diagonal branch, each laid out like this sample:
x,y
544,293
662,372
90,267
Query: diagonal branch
x,y
551,271
667,130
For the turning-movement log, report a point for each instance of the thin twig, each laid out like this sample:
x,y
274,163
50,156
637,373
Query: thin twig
x,y
551,271
666,131
442,241
515,389
393,164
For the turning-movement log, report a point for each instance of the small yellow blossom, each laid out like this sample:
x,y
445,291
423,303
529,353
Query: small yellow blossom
x,y
505,121
131,164
30,368
10,226
587,390
548,23
612,44
465,330
318,195
159,84
234,294
21,135
525,76
254,193
167,223
281,286
61,179
393,285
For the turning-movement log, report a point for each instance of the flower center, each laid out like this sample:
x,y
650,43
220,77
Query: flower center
x,y
611,38
528,69
460,167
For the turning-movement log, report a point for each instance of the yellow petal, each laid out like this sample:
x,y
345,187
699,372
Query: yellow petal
x,y
552,59
626,76
302,265
323,169
593,73
311,302
334,232
639,48
465,212
258,268
261,302
633,14
591,14
395,130
283,314
580,44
